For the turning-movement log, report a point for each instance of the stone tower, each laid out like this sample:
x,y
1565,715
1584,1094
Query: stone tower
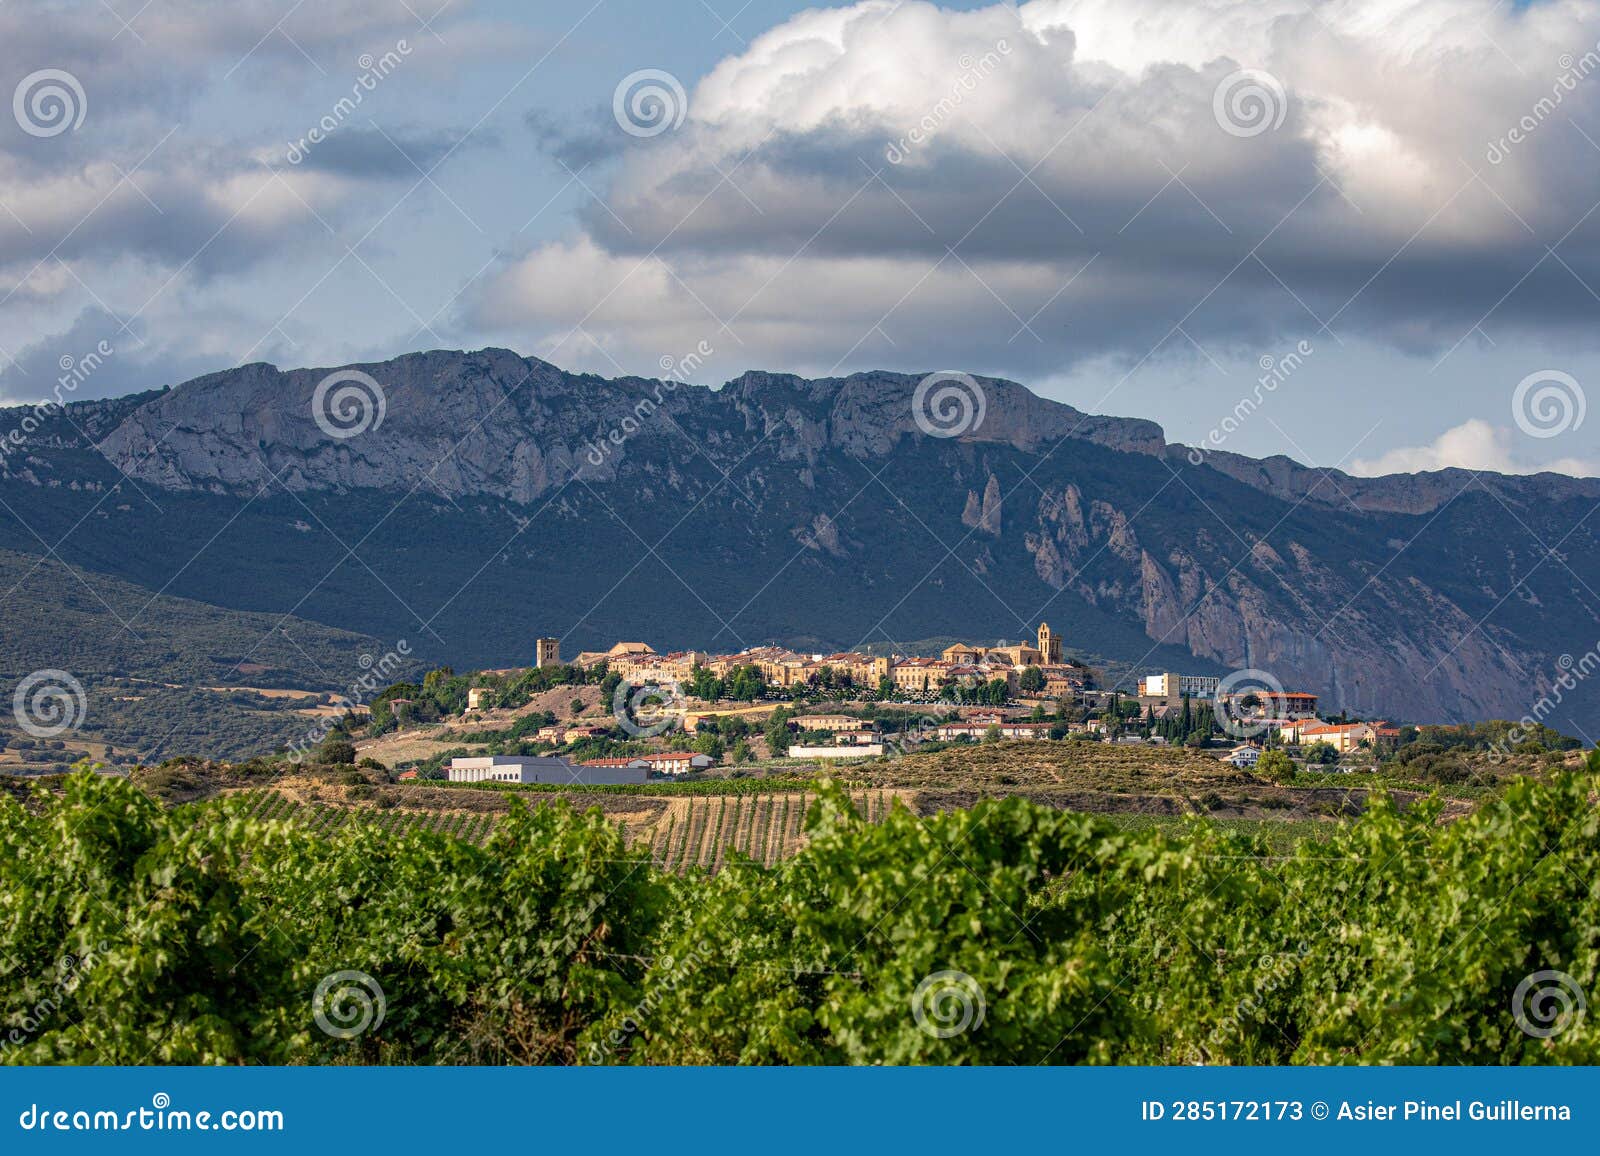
x,y
547,652
1049,645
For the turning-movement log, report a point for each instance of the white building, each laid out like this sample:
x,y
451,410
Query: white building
x,y
1173,686
1245,756
978,728
846,751
539,769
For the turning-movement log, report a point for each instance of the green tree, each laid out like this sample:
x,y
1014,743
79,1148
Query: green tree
x,y
1031,679
1276,766
704,685
745,683
336,752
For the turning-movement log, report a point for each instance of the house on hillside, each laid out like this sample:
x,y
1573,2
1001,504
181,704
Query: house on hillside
x,y
1346,737
826,722
1268,706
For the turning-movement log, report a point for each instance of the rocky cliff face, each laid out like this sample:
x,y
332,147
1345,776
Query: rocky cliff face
x,y
1448,595
497,424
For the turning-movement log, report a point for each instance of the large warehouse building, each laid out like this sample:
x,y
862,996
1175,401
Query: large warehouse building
x,y
539,769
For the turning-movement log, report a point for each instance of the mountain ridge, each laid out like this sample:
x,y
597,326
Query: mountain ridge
x,y
857,402
499,496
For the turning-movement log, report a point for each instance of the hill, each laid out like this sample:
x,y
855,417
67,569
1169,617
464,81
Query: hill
x,y
163,675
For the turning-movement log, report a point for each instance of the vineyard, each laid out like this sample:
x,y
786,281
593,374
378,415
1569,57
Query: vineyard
x,y
691,832
326,819
832,927
702,832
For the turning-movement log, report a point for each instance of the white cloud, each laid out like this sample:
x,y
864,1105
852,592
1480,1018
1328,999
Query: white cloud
x,y
1472,445
1361,208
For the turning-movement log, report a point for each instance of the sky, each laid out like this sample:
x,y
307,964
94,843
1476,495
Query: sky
x,y
1365,234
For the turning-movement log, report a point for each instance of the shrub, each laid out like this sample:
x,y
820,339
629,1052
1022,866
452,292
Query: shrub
x,y
1276,766
335,752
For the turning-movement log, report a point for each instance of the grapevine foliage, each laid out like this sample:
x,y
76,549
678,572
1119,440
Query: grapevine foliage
x,y
1010,933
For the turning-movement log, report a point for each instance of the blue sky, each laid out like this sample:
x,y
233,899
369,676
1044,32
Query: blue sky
x,y
1072,194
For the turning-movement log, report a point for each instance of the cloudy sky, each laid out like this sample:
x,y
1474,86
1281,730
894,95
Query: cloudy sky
x,y
1378,219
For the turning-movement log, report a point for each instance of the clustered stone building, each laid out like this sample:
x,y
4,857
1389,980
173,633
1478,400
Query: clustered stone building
x,y
961,664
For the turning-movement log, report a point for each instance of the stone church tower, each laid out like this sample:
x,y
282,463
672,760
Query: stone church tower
x,y
1049,645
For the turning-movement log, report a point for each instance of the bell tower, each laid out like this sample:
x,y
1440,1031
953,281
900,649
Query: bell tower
x,y
1049,645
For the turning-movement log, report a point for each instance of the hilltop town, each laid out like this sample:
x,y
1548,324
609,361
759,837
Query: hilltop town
x,y
630,713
